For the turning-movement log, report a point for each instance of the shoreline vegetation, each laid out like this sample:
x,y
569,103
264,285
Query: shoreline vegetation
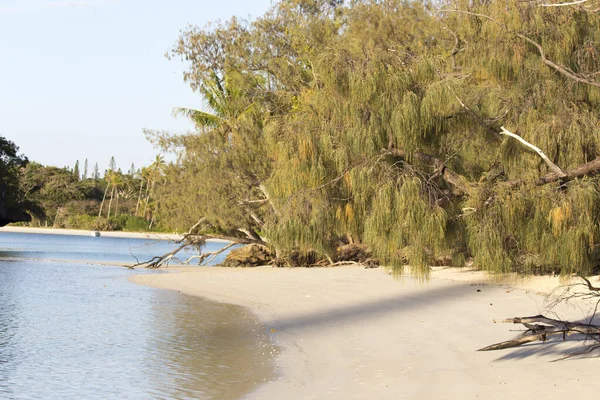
x,y
356,333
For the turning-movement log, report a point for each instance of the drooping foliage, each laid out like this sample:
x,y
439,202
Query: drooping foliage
x,y
377,122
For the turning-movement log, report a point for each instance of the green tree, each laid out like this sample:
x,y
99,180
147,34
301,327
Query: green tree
x,y
398,125
112,165
14,206
76,170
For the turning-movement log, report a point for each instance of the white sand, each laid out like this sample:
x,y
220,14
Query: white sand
x,y
351,333
76,232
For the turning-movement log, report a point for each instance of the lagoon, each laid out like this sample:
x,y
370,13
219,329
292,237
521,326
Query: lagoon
x,y
71,328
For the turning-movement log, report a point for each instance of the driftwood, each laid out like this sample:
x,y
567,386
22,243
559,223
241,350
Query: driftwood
x,y
542,328
191,238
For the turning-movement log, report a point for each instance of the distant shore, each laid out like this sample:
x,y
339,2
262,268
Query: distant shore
x,y
353,333
76,232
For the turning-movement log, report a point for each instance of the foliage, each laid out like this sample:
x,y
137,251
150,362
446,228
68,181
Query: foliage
x,y
136,224
378,122
71,202
14,206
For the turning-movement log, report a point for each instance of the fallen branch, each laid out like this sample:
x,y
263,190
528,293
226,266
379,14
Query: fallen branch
x,y
542,328
211,255
192,238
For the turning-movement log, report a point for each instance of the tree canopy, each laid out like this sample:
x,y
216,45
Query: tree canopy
x,y
13,206
409,127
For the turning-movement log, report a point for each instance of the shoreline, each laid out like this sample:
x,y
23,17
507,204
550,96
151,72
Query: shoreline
x,y
111,234
357,333
81,232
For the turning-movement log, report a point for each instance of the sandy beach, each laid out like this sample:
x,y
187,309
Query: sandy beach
x,y
354,333
76,232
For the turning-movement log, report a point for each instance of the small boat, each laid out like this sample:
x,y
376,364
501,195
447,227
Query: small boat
x,y
95,234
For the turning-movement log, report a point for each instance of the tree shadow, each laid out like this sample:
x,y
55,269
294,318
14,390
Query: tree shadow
x,y
556,347
374,309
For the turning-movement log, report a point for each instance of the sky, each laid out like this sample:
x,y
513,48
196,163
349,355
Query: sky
x,y
81,79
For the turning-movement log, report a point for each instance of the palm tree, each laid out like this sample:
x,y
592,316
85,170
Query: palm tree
x,y
104,196
143,174
227,99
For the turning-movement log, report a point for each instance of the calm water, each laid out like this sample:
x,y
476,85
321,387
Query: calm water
x,y
72,330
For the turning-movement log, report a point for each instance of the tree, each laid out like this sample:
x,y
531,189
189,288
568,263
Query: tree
x,y
112,165
14,206
85,169
76,170
399,126
53,188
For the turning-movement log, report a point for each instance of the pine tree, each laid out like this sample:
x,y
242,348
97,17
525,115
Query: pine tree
x,y
112,165
76,170
85,169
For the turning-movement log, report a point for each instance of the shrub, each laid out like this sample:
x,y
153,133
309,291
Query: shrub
x,y
136,224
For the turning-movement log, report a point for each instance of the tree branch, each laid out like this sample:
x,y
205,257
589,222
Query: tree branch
x,y
551,327
557,67
455,180
559,172
589,168
572,3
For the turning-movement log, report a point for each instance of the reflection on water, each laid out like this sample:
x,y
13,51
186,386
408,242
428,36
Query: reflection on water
x,y
75,331
86,248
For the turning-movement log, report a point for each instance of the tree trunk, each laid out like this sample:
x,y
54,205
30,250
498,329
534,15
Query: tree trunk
x,y
103,198
137,205
112,193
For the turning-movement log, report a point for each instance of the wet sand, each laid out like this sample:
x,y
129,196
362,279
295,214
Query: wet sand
x,y
352,333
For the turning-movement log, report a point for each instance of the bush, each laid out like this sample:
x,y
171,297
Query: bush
x,y
103,224
80,222
136,224
118,222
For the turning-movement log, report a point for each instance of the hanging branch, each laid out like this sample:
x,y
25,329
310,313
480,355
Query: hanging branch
x,y
559,172
557,67
572,3
458,182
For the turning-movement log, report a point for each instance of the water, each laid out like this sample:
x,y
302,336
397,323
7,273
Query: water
x,y
72,330
87,248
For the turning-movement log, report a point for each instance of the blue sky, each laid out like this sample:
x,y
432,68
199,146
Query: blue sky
x,y
81,78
